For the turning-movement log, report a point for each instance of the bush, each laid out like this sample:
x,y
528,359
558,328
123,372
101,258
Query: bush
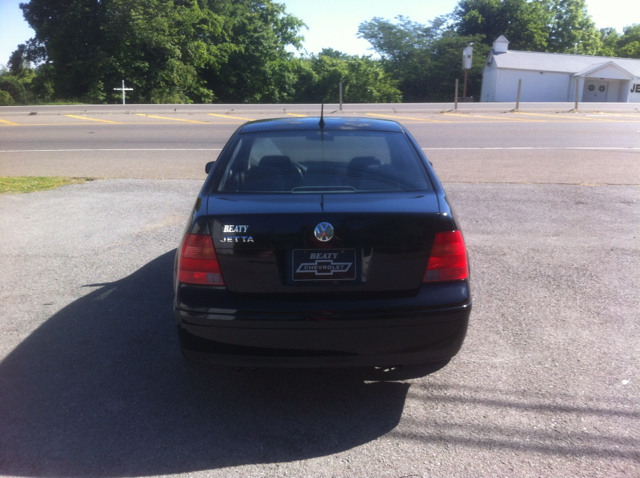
x,y
15,89
6,99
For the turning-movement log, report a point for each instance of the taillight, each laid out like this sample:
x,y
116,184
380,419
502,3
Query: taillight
x,y
198,262
448,260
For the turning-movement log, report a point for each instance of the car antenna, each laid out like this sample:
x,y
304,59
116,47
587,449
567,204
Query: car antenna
x,y
321,123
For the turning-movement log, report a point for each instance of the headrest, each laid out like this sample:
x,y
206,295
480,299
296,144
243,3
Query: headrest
x,y
275,161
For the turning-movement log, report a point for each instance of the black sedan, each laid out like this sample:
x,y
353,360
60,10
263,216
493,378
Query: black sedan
x,y
321,243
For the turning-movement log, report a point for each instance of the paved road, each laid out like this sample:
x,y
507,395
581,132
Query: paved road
x,y
541,146
547,383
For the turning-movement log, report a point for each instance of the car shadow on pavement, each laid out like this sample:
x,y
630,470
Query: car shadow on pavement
x,y
100,389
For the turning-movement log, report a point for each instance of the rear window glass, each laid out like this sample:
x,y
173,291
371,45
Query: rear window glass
x,y
301,162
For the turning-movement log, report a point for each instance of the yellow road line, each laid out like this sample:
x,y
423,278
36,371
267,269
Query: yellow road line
x,y
63,124
173,119
494,121
232,117
93,119
502,118
8,123
294,114
558,116
407,118
155,123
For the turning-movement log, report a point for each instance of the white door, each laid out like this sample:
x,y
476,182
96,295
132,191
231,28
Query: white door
x,y
595,91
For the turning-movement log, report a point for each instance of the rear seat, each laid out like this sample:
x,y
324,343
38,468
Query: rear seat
x,y
273,173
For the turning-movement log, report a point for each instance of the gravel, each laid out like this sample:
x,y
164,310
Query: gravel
x,y
92,382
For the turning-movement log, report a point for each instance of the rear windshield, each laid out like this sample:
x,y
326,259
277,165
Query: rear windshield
x,y
299,162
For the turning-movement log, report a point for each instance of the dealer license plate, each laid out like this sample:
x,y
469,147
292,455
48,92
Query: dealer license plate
x,y
324,264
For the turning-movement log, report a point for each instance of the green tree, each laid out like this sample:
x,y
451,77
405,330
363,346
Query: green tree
x,y
167,50
71,33
571,29
524,23
331,53
560,26
425,60
18,62
42,88
609,41
257,67
405,50
6,99
160,47
18,81
15,88
628,44
447,60
363,80
367,82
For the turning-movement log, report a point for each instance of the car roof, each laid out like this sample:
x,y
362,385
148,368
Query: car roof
x,y
312,123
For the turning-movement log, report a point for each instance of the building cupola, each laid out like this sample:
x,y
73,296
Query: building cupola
x,y
501,45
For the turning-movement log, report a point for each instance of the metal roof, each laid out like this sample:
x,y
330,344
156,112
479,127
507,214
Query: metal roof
x,y
560,62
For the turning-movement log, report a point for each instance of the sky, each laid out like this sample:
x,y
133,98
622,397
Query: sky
x,y
334,23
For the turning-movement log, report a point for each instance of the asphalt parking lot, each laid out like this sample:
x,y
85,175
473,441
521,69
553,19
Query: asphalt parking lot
x,y
547,383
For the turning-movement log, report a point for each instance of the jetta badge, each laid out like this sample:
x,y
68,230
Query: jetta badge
x,y
323,232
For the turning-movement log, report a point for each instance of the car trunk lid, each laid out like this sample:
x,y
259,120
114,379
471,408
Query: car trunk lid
x,y
267,244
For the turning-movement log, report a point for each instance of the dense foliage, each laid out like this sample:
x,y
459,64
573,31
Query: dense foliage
x,y
559,26
426,60
239,51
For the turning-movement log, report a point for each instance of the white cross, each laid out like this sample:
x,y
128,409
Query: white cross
x,y
123,89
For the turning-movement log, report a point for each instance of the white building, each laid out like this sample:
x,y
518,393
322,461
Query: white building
x,y
555,76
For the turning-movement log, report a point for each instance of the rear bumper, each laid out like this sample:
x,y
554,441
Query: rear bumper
x,y
341,334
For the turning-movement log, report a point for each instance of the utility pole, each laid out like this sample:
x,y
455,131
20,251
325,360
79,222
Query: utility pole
x,y
123,89
464,88
456,97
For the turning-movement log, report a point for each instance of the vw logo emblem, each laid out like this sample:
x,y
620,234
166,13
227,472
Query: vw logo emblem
x,y
323,232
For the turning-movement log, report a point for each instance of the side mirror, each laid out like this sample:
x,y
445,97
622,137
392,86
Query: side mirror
x,y
209,166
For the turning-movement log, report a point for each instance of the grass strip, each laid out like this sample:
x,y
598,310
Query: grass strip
x,y
30,184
